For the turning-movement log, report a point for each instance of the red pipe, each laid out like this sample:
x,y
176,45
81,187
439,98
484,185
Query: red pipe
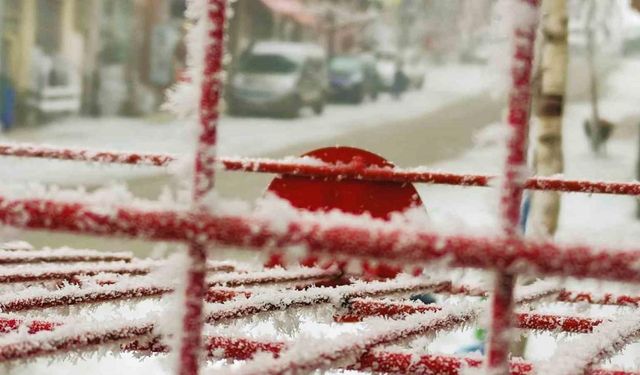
x,y
62,256
378,361
40,346
239,348
502,299
81,297
270,278
564,295
402,245
113,292
606,299
34,326
203,182
49,273
402,363
328,171
68,272
322,359
107,157
547,322
360,309
295,299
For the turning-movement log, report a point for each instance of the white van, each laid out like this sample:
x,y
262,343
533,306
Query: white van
x,y
279,78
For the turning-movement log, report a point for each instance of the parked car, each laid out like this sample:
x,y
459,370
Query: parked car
x,y
353,78
279,78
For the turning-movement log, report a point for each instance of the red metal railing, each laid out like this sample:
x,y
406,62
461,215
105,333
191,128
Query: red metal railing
x,y
508,254
318,169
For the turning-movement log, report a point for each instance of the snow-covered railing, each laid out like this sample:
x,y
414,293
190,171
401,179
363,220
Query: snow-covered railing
x,y
367,238
309,167
386,321
64,255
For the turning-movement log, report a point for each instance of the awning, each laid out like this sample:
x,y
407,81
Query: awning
x,y
291,8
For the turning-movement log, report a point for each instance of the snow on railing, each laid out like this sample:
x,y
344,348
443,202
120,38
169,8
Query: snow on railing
x,y
316,168
364,238
347,236
340,295
66,338
318,354
601,299
380,361
31,273
112,157
360,309
606,340
404,363
272,276
71,339
349,296
70,295
525,30
64,255
144,287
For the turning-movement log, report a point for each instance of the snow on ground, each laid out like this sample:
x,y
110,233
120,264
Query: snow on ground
x,y
245,136
602,218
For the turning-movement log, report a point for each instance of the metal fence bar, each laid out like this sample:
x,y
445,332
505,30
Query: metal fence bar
x,y
204,177
330,171
524,35
399,244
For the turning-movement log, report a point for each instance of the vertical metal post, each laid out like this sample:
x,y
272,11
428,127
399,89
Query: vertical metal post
x,y
513,185
204,177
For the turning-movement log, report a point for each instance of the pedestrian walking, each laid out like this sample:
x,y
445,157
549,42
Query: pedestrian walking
x,y
400,81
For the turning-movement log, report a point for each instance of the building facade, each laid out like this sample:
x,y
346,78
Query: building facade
x,y
120,53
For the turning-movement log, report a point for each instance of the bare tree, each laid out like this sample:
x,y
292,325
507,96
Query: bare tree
x,y
548,158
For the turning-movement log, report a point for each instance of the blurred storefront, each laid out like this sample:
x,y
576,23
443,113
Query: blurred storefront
x,y
255,20
339,25
117,57
101,57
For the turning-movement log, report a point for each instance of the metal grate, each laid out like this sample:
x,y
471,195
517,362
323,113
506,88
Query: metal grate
x,y
227,290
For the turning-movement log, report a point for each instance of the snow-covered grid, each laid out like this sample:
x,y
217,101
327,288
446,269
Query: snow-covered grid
x,y
376,310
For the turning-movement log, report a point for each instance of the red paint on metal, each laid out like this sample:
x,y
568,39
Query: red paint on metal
x,y
34,326
524,36
203,182
114,157
239,348
606,299
333,172
403,363
360,309
401,245
379,199
376,198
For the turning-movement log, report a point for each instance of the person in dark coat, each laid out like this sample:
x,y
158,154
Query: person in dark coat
x,y
400,82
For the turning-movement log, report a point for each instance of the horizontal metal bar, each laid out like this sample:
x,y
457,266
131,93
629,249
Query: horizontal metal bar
x,y
322,170
360,309
318,234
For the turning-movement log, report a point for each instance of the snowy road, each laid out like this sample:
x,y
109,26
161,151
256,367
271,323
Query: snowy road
x,y
238,136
